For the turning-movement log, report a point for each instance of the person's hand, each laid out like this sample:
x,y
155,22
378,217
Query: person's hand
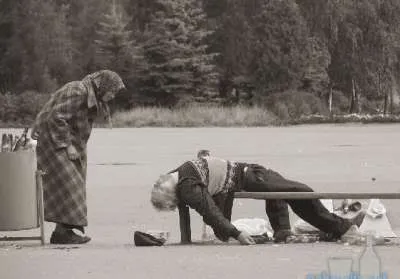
x,y
72,153
245,239
108,96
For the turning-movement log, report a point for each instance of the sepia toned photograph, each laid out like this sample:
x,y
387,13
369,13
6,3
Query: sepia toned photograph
x,y
199,139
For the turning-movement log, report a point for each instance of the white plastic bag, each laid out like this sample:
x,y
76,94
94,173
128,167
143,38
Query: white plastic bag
x,y
376,209
377,220
253,226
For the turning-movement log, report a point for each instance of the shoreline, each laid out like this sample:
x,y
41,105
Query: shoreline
x,y
132,119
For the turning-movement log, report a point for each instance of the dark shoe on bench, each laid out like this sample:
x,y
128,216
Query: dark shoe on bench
x,y
68,237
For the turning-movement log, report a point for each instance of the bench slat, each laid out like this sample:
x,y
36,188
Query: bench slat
x,y
314,195
184,216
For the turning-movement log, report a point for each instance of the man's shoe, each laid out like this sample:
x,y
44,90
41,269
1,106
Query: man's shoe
x,y
358,219
68,237
282,235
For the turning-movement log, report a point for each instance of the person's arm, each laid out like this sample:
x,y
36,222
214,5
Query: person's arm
x,y
60,118
193,193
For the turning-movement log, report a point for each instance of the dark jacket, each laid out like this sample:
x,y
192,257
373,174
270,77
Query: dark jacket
x,y
216,210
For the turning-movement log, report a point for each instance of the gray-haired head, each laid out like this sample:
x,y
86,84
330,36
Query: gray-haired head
x,y
163,194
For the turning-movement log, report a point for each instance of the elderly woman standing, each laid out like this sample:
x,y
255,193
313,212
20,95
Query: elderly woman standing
x,y
62,129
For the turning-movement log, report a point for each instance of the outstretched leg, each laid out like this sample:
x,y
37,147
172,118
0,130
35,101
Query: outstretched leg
x,y
259,179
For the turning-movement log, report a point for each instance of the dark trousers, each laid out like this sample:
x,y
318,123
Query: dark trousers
x,y
259,179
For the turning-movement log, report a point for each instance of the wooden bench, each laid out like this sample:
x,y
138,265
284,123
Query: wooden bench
x,y
184,215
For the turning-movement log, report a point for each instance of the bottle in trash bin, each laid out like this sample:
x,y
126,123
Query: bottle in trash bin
x,y
22,141
16,139
11,142
4,143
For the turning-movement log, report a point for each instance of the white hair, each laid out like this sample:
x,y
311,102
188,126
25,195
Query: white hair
x,y
163,198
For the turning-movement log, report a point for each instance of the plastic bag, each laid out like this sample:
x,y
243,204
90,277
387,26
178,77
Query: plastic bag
x,y
376,209
254,226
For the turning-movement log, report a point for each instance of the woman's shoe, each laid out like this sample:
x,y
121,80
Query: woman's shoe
x,y
68,237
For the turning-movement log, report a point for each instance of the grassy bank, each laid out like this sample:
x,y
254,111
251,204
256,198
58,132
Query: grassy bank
x,y
195,116
218,116
347,118
238,116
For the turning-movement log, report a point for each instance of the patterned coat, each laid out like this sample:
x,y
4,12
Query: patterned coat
x,y
66,119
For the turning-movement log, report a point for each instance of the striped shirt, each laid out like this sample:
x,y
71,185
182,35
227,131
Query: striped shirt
x,y
220,176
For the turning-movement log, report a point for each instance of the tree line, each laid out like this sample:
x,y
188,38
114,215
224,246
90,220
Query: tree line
x,y
293,56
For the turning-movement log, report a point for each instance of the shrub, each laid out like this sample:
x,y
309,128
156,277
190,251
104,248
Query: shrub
x,y
30,103
21,108
294,104
8,108
282,111
340,102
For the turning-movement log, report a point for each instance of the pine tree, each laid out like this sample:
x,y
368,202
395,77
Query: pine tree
x,y
83,18
202,65
280,44
40,50
5,34
114,46
233,40
176,53
117,50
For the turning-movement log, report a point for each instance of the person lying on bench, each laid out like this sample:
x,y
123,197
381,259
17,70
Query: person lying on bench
x,y
207,184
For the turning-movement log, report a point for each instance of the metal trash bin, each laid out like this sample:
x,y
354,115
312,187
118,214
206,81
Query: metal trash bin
x,y
21,194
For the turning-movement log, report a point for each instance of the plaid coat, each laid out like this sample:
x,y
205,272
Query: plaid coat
x,y
64,120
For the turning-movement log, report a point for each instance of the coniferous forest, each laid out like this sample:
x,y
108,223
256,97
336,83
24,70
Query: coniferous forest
x,y
292,57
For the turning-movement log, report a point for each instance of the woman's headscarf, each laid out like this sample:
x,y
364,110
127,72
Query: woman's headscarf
x,y
99,83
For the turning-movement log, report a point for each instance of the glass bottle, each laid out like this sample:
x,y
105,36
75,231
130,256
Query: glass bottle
x,y
10,141
15,142
369,261
22,141
4,142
